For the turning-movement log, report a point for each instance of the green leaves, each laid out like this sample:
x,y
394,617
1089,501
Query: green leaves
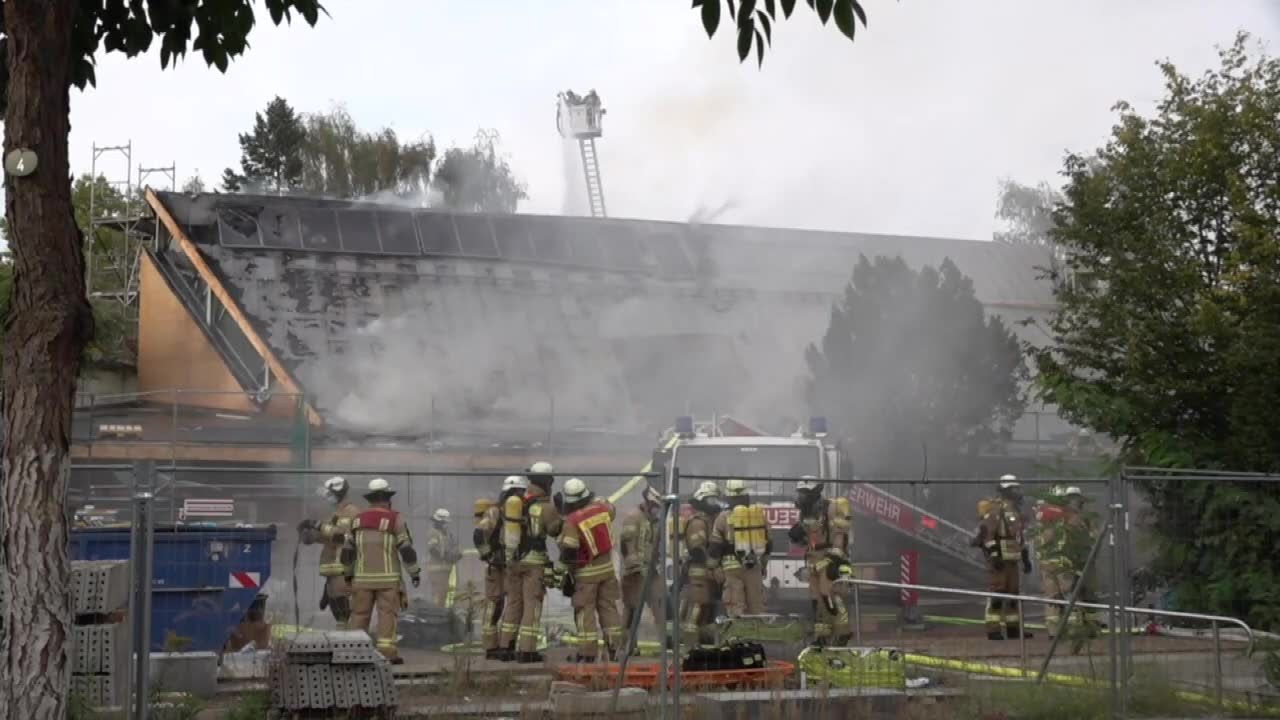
x,y
754,24
710,16
1168,320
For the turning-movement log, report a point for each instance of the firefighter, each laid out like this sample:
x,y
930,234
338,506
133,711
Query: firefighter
x,y
697,615
527,521
488,541
377,550
740,539
586,551
639,533
442,555
826,532
336,595
1000,535
1063,542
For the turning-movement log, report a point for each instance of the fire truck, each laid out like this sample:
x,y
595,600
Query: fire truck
x,y
770,464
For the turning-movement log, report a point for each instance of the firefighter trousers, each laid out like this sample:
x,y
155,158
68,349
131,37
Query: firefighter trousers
x,y
388,602
1004,576
595,607
830,613
522,611
438,586
697,611
494,592
338,592
743,591
631,600
1058,584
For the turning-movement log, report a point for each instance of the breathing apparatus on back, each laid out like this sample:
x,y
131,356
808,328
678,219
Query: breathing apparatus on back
x,y
750,530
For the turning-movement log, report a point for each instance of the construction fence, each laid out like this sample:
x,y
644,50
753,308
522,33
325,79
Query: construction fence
x,y
917,599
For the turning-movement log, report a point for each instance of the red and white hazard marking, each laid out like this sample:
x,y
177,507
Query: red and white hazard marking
x,y
250,580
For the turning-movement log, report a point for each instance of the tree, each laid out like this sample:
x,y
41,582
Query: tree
x,y
909,356
1168,326
1027,213
50,46
270,154
340,160
194,185
478,180
754,23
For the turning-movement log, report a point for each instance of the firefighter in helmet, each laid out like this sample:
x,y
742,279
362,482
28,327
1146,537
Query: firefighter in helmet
x,y
378,550
586,551
639,534
826,532
487,539
1001,531
336,595
740,539
442,556
697,614
1063,540
527,521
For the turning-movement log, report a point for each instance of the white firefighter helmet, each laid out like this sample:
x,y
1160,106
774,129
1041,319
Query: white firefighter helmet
x,y
735,487
1009,482
575,490
808,482
378,485
515,482
1073,491
706,490
542,467
441,515
333,487
1059,491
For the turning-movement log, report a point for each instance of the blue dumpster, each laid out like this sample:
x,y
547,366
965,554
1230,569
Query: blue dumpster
x,y
206,577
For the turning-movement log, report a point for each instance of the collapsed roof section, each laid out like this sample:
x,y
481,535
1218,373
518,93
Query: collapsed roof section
x,y
397,320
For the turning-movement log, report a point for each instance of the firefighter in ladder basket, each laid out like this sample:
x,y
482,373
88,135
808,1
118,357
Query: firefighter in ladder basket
x,y
825,530
488,541
377,551
527,521
740,539
336,595
1000,536
586,549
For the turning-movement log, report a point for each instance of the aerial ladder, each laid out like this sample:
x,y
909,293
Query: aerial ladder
x,y
578,118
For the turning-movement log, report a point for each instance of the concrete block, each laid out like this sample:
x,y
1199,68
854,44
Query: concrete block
x,y
630,700
194,673
100,586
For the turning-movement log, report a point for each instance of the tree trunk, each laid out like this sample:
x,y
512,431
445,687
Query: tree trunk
x,y
48,326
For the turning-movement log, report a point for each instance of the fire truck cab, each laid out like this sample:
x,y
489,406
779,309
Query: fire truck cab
x,y
769,464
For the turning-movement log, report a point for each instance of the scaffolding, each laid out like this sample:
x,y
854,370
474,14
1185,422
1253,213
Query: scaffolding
x,y
117,229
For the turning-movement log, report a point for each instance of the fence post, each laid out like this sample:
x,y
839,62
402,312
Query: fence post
x,y
1113,611
674,551
141,566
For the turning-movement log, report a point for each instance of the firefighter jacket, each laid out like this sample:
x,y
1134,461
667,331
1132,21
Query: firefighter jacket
x,y
333,533
540,521
1063,538
586,543
489,540
1001,531
378,549
697,544
442,550
638,534
828,533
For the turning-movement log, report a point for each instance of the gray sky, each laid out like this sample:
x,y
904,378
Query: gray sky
x,y
905,131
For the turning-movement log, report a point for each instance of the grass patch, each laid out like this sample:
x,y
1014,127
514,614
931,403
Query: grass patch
x,y
253,705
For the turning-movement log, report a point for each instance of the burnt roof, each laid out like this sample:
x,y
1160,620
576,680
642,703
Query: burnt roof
x,y
389,316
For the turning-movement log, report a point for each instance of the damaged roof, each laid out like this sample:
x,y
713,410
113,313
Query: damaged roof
x,y
394,318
